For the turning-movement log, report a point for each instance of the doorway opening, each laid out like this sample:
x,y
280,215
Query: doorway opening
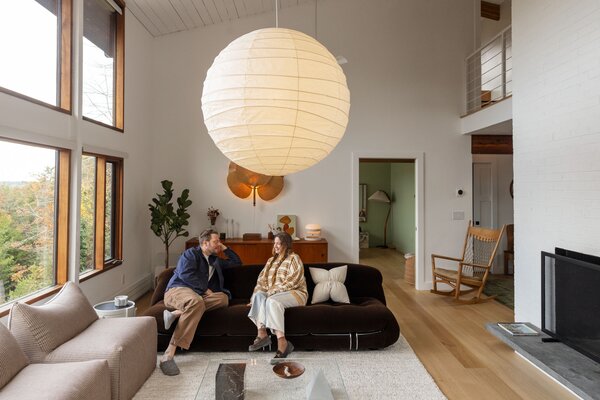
x,y
493,207
387,212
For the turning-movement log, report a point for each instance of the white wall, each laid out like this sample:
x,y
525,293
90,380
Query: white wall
x,y
556,137
406,78
20,119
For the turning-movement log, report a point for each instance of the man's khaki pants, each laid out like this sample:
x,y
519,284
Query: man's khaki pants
x,y
193,307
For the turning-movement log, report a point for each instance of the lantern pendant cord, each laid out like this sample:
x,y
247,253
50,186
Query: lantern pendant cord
x,y
316,3
276,14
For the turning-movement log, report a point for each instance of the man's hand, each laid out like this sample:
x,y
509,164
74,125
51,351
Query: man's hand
x,y
208,292
223,247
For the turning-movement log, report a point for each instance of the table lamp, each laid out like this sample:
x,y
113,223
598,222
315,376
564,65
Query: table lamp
x,y
313,232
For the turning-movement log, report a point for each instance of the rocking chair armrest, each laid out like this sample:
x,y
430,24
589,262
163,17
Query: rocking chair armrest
x,y
446,257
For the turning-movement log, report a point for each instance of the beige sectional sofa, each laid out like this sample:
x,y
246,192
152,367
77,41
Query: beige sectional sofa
x,y
64,343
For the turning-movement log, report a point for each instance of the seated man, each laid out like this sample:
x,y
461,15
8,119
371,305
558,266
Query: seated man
x,y
196,287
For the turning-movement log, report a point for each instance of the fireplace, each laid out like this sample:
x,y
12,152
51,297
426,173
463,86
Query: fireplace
x,y
571,300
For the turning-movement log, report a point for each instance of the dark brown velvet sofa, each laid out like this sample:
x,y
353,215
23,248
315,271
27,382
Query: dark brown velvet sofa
x,y
365,323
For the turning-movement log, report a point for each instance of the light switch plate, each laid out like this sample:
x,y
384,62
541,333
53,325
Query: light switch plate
x,y
458,215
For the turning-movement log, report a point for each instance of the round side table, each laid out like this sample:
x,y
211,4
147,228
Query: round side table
x,y
107,309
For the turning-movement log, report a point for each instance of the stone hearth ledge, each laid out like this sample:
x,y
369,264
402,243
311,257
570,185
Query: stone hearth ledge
x,y
572,369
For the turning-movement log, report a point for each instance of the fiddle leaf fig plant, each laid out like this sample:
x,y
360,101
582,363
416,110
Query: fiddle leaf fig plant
x,y
167,222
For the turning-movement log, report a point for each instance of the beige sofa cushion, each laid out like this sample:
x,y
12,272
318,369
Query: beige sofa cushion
x,y
41,329
88,380
12,358
128,344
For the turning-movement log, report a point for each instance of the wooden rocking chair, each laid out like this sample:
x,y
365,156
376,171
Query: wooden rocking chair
x,y
474,267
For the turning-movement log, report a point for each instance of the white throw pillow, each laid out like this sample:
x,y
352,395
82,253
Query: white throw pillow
x,y
329,284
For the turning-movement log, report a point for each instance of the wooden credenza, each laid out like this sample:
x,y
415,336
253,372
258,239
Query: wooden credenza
x,y
259,251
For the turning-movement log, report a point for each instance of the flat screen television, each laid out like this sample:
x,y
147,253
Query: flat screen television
x,y
571,300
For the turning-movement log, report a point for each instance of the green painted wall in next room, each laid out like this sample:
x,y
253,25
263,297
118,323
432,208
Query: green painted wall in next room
x,y
377,177
403,208
398,181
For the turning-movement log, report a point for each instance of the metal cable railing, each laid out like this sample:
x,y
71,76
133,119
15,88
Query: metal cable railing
x,y
489,72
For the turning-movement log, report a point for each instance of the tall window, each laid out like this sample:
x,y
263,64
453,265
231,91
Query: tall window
x,y
35,44
103,48
34,186
101,212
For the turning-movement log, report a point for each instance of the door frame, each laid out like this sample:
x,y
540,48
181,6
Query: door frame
x,y
419,159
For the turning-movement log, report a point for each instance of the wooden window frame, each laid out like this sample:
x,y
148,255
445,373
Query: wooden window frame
x,y
119,76
65,62
100,263
61,244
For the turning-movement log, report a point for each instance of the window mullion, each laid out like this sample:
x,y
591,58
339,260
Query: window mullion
x,y
120,72
100,212
66,29
118,211
62,237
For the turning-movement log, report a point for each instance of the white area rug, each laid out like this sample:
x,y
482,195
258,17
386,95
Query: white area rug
x,y
392,373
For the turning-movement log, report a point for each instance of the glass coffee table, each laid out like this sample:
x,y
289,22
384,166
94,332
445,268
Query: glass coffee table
x,y
261,382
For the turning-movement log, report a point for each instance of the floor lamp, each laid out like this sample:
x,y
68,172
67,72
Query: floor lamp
x,y
382,197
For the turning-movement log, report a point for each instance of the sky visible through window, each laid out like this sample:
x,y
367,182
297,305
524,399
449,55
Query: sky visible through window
x,y
98,87
28,45
21,163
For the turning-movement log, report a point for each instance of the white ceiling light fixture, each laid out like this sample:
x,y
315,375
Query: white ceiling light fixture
x,y
275,101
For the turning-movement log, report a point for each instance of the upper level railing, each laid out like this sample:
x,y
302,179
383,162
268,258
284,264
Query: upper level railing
x,y
489,72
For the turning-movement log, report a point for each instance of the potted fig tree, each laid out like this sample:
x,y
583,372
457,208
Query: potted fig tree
x,y
167,222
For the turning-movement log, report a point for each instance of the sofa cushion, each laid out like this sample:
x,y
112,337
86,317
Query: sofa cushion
x,y
41,329
128,344
362,316
87,380
12,358
329,284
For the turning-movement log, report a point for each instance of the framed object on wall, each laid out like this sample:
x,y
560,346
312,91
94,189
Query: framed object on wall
x,y
362,202
287,223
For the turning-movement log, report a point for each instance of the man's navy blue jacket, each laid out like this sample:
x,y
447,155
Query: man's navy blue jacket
x,y
192,271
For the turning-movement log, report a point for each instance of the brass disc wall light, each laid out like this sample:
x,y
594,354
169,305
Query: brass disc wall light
x,y
242,182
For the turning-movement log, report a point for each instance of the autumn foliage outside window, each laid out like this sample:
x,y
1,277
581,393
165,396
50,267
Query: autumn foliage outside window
x,y
33,219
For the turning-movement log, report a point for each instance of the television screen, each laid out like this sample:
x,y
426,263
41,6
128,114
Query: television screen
x,y
571,300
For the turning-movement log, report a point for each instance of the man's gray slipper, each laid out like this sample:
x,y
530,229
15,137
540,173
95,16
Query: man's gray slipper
x,y
168,317
169,367
260,343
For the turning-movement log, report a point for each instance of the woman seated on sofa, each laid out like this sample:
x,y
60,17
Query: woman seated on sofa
x,y
280,285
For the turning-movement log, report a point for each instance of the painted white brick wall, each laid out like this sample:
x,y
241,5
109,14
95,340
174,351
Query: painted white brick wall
x,y
556,125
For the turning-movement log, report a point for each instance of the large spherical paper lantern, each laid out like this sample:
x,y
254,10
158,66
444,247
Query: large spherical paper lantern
x,y
275,101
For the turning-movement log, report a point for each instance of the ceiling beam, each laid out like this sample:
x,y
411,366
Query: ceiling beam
x,y
491,144
490,10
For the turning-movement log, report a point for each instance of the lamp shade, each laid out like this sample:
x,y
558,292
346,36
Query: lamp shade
x,y
313,232
380,196
275,101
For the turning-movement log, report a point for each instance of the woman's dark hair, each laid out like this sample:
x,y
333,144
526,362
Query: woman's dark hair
x,y
286,242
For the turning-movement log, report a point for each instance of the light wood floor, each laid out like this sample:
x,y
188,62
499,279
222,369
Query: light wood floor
x,y
451,341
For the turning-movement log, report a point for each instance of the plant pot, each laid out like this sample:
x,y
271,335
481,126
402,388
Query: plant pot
x,y
213,220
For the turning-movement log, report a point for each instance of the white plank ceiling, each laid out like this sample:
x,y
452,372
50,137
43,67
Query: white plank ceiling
x,y
161,17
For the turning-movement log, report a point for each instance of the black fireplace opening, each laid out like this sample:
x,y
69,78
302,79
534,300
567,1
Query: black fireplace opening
x,y
571,300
